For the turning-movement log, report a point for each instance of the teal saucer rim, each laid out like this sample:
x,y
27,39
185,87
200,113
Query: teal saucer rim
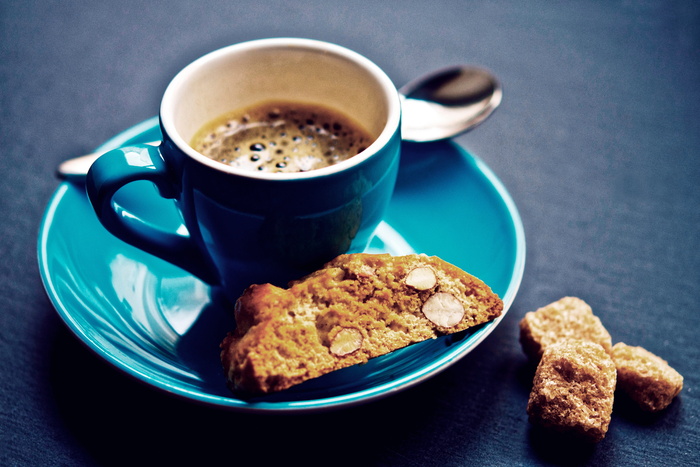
x,y
313,405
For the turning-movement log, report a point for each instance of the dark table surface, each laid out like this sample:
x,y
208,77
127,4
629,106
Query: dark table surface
x,y
597,140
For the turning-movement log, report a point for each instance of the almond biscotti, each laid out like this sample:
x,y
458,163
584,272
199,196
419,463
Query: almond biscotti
x,y
357,307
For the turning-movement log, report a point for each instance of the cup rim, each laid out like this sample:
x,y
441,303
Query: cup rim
x,y
391,127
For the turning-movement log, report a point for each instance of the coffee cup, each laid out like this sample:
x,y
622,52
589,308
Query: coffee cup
x,y
243,225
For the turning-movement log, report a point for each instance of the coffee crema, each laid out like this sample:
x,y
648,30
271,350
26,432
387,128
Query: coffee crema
x,y
281,136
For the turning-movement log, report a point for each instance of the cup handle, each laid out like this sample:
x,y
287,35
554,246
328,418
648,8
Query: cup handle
x,y
119,167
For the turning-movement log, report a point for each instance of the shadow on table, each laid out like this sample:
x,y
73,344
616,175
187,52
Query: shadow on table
x,y
558,449
117,420
626,410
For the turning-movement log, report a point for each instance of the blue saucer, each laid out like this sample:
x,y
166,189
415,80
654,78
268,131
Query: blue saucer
x,y
163,326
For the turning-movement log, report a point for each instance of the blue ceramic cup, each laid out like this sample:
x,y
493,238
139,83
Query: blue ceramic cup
x,y
242,227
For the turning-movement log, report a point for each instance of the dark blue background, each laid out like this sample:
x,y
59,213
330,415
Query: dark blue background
x,y
597,140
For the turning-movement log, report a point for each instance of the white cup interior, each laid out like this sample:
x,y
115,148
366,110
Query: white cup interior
x,y
302,70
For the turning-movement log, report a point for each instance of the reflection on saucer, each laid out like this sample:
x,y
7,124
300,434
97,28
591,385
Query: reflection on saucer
x,y
160,309
387,240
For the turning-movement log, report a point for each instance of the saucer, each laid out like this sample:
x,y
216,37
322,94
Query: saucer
x,y
162,326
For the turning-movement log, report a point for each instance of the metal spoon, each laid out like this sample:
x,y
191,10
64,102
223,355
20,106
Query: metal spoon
x,y
434,107
447,102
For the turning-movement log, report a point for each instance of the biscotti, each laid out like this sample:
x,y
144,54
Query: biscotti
x,y
356,307
567,318
646,378
573,389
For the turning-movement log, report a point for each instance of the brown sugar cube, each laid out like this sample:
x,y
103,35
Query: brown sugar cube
x,y
567,318
355,308
646,378
573,390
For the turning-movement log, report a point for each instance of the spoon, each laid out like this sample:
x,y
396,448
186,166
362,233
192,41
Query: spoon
x,y
434,107
447,102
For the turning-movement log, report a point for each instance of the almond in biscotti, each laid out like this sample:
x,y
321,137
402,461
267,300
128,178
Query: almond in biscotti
x,y
443,310
346,341
421,278
355,308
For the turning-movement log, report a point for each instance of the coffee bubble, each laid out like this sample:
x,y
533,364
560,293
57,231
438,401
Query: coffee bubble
x,y
281,137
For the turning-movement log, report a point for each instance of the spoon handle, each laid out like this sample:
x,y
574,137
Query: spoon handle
x,y
76,168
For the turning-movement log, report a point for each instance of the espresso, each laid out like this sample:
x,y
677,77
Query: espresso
x,y
281,136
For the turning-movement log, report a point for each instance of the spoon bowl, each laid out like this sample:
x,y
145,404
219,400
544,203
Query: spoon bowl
x,y
447,103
